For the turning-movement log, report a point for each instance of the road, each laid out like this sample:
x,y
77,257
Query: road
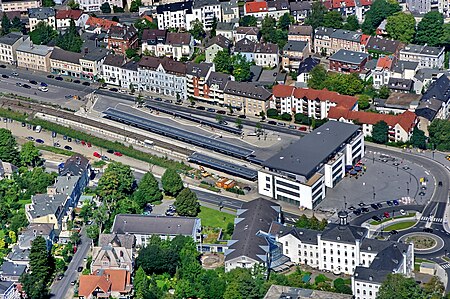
x,y
60,288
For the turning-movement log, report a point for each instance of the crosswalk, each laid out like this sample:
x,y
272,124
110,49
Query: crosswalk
x,y
291,219
432,219
445,266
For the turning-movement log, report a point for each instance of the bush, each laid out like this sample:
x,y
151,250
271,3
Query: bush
x,y
320,278
272,112
302,119
286,116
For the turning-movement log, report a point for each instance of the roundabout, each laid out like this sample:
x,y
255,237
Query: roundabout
x,y
424,243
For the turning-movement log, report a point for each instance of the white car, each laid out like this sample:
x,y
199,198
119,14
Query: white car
x,y
402,212
43,88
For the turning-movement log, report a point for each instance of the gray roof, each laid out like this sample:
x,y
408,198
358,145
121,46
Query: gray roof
x,y
370,275
114,60
32,231
28,47
119,240
7,168
199,70
253,217
304,156
343,233
371,64
11,269
202,3
284,292
402,65
427,73
177,6
347,56
428,109
5,285
130,65
424,50
220,79
154,225
247,30
63,55
11,38
75,165
300,29
219,40
246,90
339,34
19,255
383,45
307,236
225,26
244,46
439,90
293,45
300,6
400,84
41,13
95,54
44,204
307,65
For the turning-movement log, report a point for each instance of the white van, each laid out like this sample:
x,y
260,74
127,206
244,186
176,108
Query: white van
x,y
38,129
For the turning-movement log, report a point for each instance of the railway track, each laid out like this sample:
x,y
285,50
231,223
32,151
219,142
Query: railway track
x,y
31,108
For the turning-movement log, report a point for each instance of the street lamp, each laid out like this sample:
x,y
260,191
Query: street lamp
x,y
345,202
407,187
373,189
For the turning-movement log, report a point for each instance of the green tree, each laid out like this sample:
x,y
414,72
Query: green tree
x,y
48,3
29,155
285,21
117,9
197,30
363,102
42,34
134,6
333,19
401,286
269,29
73,5
8,147
131,53
347,84
401,26
17,25
418,139
223,62
115,19
238,123
380,132
71,40
171,182
286,116
105,7
351,23
75,238
434,288
439,132
430,29
187,203
248,21
315,19
317,77
93,231
212,33
148,190
142,24
6,24
241,68
12,235
379,10
384,92
302,222
116,182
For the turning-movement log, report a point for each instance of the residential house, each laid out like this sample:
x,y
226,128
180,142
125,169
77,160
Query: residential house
x,y
33,57
166,227
377,46
130,75
94,5
301,33
345,61
426,56
420,7
114,251
401,85
20,5
246,98
246,48
7,170
267,55
404,69
347,8
171,44
327,41
64,16
397,103
401,126
97,25
121,38
173,15
151,38
41,14
250,33
112,69
382,72
293,54
162,76
8,47
214,45
225,29
282,292
214,88
310,102
257,9
300,10
34,230
304,69
8,290
424,77
230,12
196,76
278,8
77,165
65,63
11,272
106,283
19,256
91,62
206,11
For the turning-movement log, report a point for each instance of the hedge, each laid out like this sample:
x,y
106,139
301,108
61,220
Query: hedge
x,y
114,145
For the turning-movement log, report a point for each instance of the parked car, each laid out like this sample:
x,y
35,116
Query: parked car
x,y
56,144
114,89
402,212
395,202
50,76
386,214
376,218
105,158
351,208
97,155
211,110
59,78
31,138
221,112
44,84
242,116
15,74
67,147
24,125
39,141
365,210
374,206
88,144
427,230
43,89
110,151
86,83
5,76
357,212
389,203
26,86
271,122
33,82
118,154
60,276
18,84
77,81
69,139
200,108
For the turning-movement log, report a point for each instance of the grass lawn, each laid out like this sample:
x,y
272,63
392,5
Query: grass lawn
x,y
215,218
55,150
418,261
400,225
390,219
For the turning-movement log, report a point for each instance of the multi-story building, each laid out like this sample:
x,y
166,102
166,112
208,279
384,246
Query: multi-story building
x,y
230,11
435,102
196,76
121,38
257,9
377,46
226,29
266,55
94,5
304,69
41,14
206,11
301,33
130,75
34,57
300,10
328,41
112,69
9,290
345,61
214,87
310,102
246,98
171,44
8,47
300,173
382,71
63,18
250,33
346,8
162,76
65,63
214,45
293,54
426,56
98,25
173,15
114,251
20,5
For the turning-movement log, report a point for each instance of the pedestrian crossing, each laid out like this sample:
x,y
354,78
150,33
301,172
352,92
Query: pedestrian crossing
x,y
432,219
291,219
445,266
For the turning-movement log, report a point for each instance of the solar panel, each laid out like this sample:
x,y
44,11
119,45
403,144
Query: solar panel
x,y
180,134
224,166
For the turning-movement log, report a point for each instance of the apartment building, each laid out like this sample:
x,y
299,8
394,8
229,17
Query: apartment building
x,y
293,54
20,5
130,75
250,33
161,43
64,16
206,11
302,33
214,45
174,15
377,47
94,5
91,63
426,56
300,173
65,63
196,76
246,98
112,69
382,71
435,102
347,8
33,57
300,10
121,38
8,47
213,91
41,14
328,41
230,11
345,61
263,54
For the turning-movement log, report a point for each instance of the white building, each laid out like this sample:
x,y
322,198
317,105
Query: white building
x,y
205,11
94,5
174,15
112,69
63,18
230,11
41,14
426,56
8,47
161,43
300,173
130,75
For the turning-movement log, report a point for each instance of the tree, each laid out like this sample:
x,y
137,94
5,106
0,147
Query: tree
x,y
29,154
105,7
333,19
93,231
248,21
131,53
71,40
73,5
187,203
118,9
8,147
418,139
75,238
48,3
12,235
6,24
434,288
315,19
380,132
439,132
241,68
148,190
238,123
222,62
141,24
134,6
401,286
212,33
317,77
197,30
171,182
347,84
115,19
17,25
351,23
384,92
379,10
363,102
286,116
401,26
116,182
430,29
42,34
285,21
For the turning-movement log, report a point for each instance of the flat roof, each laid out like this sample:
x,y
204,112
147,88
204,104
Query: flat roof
x,y
305,155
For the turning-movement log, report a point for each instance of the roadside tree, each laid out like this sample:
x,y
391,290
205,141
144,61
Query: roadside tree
x,y
148,190
171,182
187,203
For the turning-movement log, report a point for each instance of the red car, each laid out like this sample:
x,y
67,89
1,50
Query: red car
x,y
83,142
302,129
386,214
89,144
118,154
97,155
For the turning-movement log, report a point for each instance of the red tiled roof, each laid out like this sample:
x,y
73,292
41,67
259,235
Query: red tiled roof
x,y
326,95
254,7
88,284
342,3
98,22
328,4
148,18
384,62
365,39
73,14
366,2
119,279
282,91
